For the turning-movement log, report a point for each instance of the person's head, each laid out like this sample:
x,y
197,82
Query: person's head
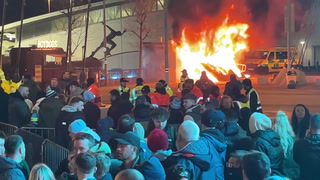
x,y
206,105
88,96
139,81
77,103
123,82
131,174
215,91
175,103
163,82
145,90
73,86
212,118
226,102
160,116
2,140
235,160
66,75
185,91
103,165
128,146
189,100
141,100
300,119
188,84
184,72
41,171
259,121
233,77
125,123
83,142
90,81
139,130
247,84
300,111
54,82
188,132
255,166
157,140
15,148
24,91
75,127
282,126
178,172
315,123
85,165
114,95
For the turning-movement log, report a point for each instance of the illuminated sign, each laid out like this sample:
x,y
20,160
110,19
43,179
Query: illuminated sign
x,y
47,44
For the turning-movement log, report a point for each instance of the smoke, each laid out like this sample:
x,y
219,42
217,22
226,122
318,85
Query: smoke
x,y
265,18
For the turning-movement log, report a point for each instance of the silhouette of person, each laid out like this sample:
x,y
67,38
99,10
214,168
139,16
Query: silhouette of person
x,y
109,40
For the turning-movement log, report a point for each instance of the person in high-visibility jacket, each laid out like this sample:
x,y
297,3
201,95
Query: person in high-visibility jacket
x,y
165,85
123,86
183,78
253,96
136,91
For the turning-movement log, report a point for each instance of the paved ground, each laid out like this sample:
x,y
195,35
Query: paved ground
x,y
272,97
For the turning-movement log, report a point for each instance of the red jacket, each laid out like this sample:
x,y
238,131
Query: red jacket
x,y
162,100
95,90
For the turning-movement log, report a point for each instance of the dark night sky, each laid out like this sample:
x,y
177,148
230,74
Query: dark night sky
x,y
38,7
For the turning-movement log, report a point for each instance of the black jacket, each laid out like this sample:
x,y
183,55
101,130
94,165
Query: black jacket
x,y
18,110
176,116
92,114
49,110
4,101
67,115
268,141
306,152
194,112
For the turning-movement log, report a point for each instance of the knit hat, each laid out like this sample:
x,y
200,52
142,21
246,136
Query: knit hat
x,y
88,96
189,131
51,93
158,140
77,126
247,82
92,133
129,138
176,103
259,121
211,117
139,130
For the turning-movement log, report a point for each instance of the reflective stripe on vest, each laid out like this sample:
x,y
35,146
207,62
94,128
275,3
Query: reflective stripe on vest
x,y
258,99
242,104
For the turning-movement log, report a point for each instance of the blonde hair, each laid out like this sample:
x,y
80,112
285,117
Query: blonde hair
x,y
41,171
284,129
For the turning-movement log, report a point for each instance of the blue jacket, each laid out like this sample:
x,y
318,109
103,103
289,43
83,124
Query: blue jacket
x,y
196,157
10,170
218,147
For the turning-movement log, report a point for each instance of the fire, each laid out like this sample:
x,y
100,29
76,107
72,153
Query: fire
x,y
216,51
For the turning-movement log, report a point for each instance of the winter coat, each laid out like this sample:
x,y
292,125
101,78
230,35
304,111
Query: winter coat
x,y
77,93
103,128
204,84
194,112
118,109
197,157
142,113
230,86
290,168
95,90
10,170
176,116
67,115
92,114
218,147
306,152
242,107
230,114
106,177
161,99
18,111
268,141
33,90
4,101
196,91
49,110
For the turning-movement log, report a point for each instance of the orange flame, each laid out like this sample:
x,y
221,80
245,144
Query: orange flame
x,y
216,52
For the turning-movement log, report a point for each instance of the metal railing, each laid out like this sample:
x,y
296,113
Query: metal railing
x,y
53,154
46,133
8,129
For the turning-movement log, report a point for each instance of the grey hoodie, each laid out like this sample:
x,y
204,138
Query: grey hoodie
x,y
10,170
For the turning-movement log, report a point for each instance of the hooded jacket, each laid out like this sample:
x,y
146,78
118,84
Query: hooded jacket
x,y
268,141
194,112
18,111
196,157
306,152
4,101
10,170
67,115
49,110
161,98
218,145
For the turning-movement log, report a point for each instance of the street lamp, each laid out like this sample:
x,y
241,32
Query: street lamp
x,y
302,43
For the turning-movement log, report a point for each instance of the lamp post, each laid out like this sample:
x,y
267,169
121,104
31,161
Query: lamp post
x,y
166,40
2,29
289,35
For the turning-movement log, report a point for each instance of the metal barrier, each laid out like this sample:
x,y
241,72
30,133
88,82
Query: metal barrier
x,y
46,133
53,154
8,129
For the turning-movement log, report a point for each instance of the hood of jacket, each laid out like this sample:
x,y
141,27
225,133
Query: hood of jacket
x,y
77,92
8,164
269,136
16,95
230,128
69,108
217,139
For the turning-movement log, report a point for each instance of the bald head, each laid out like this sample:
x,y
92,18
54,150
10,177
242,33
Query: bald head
x,y
131,174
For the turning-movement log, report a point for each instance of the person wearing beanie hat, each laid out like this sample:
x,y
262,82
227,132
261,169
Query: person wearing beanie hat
x,y
88,96
175,103
176,115
51,93
168,89
139,130
75,127
193,153
266,140
91,110
253,96
157,140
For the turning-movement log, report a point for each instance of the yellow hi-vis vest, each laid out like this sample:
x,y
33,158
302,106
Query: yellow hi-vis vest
x,y
258,99
136,92
122,89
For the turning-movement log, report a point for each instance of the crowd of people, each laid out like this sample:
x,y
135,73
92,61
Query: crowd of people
x,y
149,133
